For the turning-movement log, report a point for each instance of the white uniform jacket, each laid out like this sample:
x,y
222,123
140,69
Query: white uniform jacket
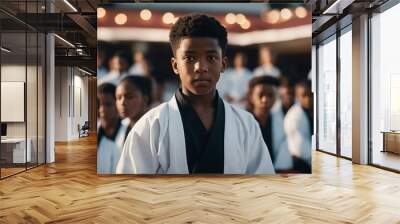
x,y
297,128
109,151
283,158
156,144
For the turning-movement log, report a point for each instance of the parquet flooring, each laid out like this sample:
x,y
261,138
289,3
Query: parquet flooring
x,y
387,159
9,171
70,191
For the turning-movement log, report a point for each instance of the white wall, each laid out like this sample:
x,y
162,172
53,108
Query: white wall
x,y
61,103
70,84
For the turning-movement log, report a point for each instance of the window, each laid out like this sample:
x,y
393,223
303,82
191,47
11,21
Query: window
x,y
385,88
327,96
22,76
346,93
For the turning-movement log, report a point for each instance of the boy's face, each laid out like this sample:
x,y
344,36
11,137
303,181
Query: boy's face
x,y
238,61
304,97
117,63
130,101
198,61
107,108
263,97
287,96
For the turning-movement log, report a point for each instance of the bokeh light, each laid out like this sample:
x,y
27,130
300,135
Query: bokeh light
x,y
101,12
145,14
168,18
120,19
230,18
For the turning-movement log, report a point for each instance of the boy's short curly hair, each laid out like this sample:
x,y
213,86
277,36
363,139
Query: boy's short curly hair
x,y
142,83
197,25
259,80
264,80
106,89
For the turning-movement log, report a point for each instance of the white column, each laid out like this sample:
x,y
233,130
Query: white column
x,y
50,92
50,100
360,90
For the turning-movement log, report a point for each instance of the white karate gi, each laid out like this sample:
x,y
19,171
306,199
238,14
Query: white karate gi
x,y
270,70
283,158
111,77
297,128
156,144
236,84
109,151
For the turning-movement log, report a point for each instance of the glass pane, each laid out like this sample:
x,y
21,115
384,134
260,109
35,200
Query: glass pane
x,y
327,96
385,86
31,97
32,9
13,86
22,81
346,94
41,99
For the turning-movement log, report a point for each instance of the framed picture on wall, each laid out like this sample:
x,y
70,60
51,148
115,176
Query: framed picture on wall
x,y
12,101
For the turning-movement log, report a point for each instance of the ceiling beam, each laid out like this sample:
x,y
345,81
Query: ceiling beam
x,y
86,26
81,61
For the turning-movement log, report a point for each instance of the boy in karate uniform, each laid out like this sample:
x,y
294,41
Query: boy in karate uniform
x,y
299,127
196,131
261,96
110,130
133,98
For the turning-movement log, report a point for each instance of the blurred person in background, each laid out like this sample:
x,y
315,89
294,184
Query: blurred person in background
x,y
261,97
235,81
158,93
101,69
117,69
196,131
143,67
299,125
110,130
266,64
139,64
286,94
133,98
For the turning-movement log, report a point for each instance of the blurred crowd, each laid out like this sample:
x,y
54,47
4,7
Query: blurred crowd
x,y
281,105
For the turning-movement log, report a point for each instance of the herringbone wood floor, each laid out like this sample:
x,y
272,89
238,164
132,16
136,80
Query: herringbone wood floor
x,y
70,191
